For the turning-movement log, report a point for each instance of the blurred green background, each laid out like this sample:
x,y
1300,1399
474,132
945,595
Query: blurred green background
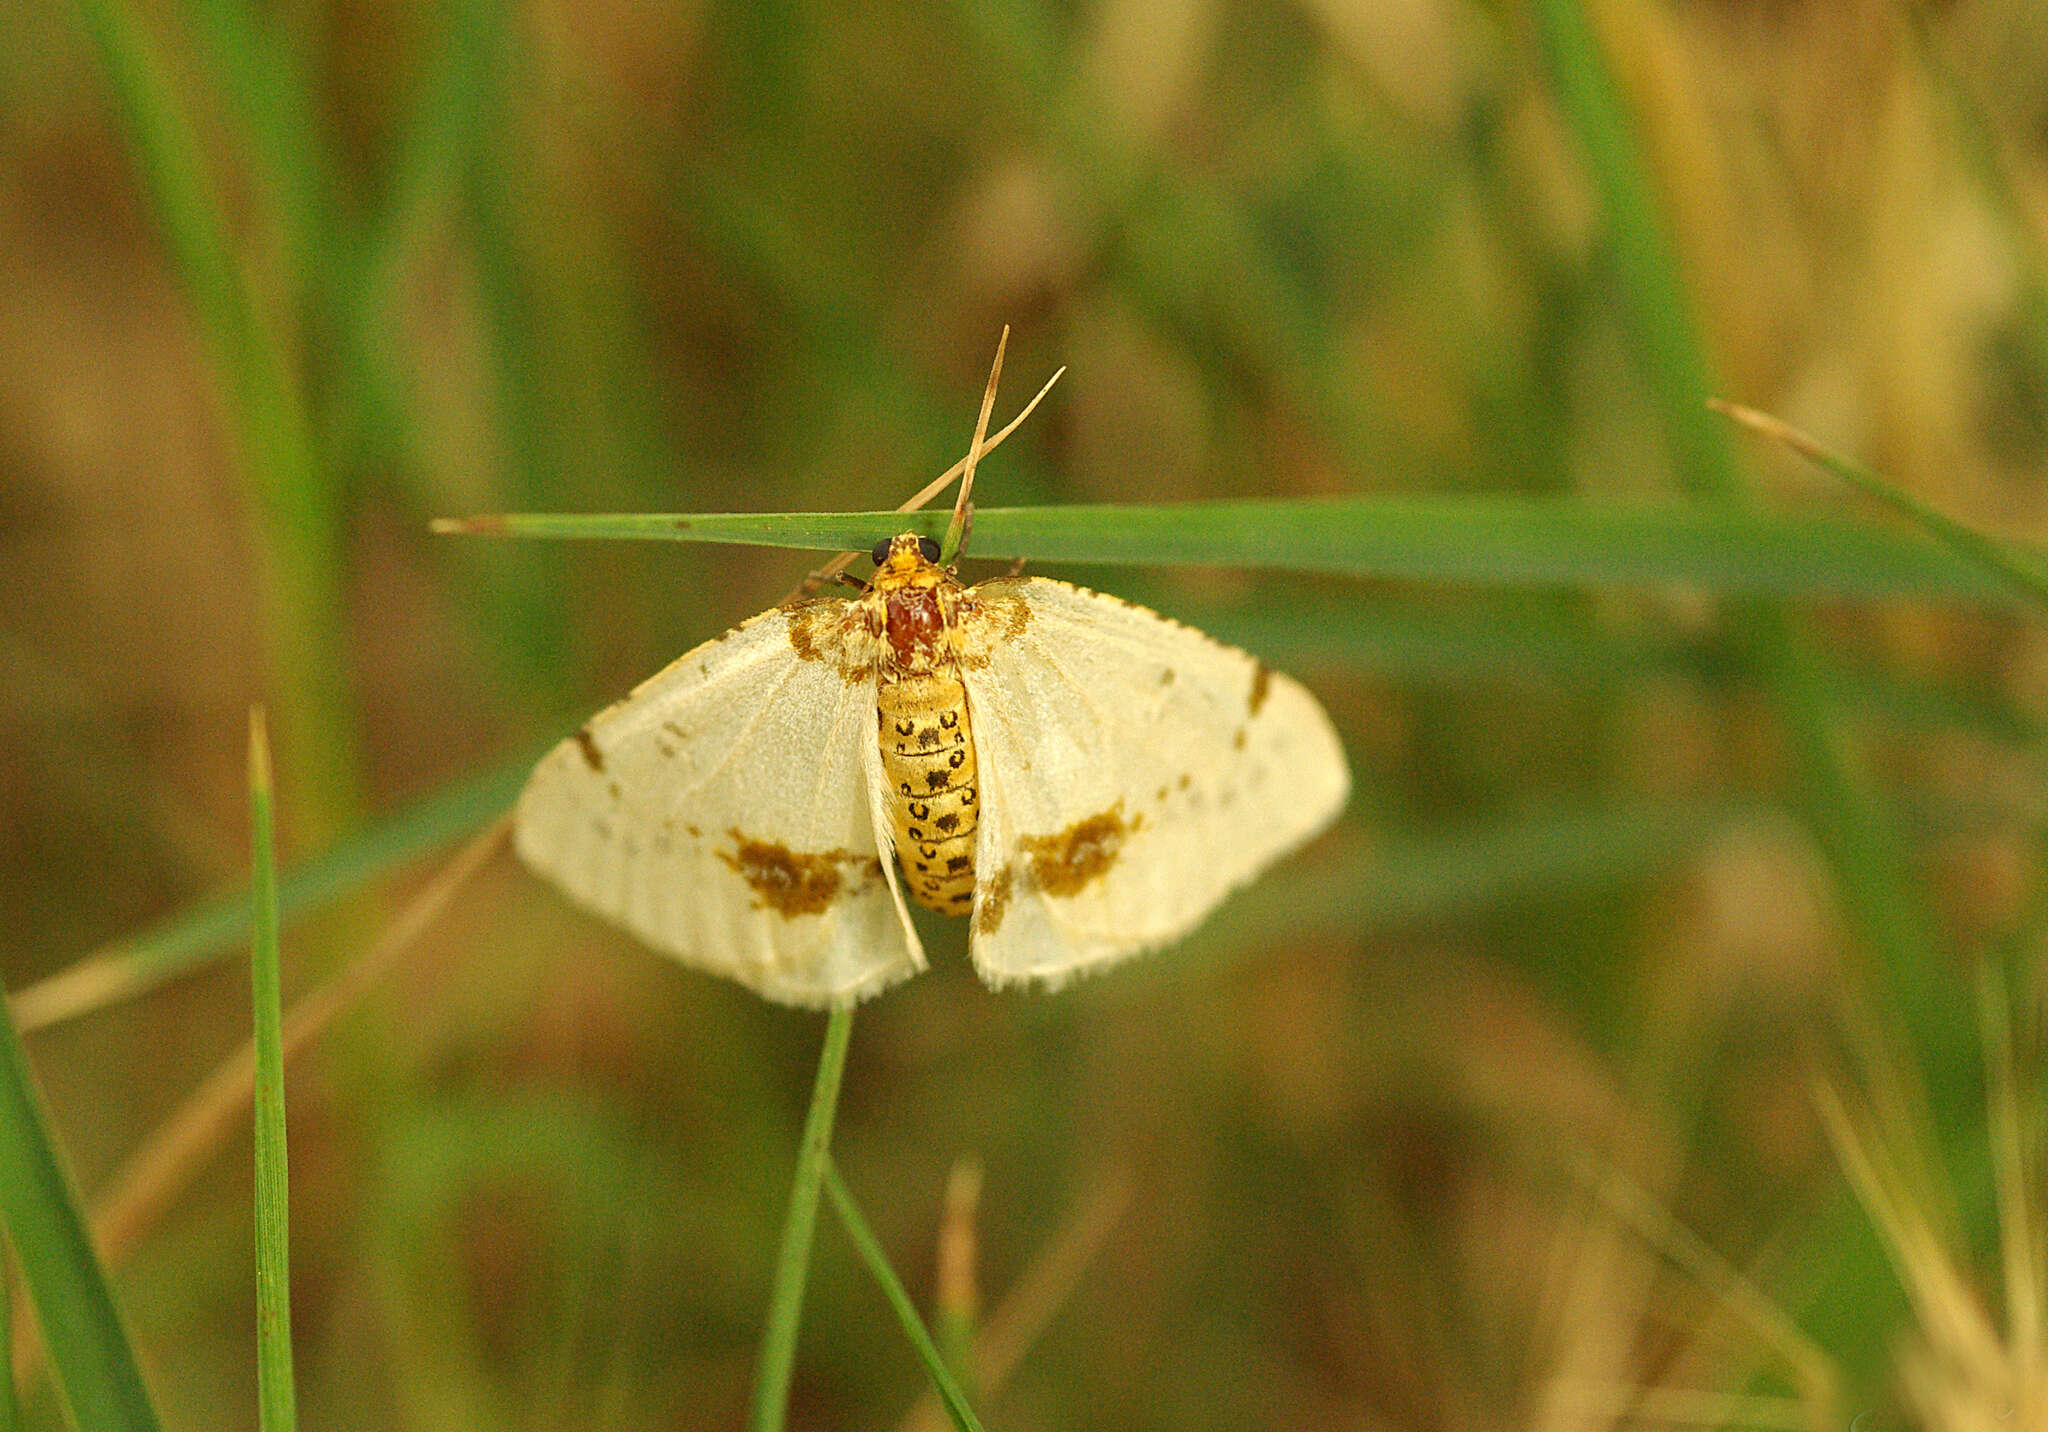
x,y
1624,867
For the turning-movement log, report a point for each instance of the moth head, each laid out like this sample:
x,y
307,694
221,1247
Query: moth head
x,y
904,554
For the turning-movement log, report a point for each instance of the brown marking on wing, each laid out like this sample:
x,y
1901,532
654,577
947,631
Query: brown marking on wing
x,y
1065,864
834,631
791,882
1237,741
995,900
587,744
986,619
1262,682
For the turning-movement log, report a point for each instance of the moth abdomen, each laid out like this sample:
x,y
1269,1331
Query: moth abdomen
x,y
928,756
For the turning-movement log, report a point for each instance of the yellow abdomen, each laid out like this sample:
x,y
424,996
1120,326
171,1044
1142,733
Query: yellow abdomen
x,y
928,756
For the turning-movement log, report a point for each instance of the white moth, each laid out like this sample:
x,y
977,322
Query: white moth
x,y
1083,778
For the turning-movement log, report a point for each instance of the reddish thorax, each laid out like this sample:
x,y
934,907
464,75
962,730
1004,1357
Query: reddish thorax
x,y
914,626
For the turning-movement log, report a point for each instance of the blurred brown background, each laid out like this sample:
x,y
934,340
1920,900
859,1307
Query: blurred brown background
x,y
280,282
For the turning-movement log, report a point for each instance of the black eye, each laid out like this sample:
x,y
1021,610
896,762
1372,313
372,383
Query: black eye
x,y
880,551
928,548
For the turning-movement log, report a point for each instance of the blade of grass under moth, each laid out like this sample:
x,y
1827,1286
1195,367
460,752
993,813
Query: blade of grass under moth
x,y
793,1262
276,1400
131,967
89,1352
870,1249
2000,558
296,516
1488,540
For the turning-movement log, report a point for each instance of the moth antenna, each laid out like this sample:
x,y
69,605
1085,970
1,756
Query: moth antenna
x,y
1017,567
956,530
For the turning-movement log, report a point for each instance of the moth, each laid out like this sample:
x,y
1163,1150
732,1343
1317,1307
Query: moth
x,y
1081,778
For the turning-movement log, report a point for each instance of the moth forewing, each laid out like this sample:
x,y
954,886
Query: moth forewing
x,y
1135,772
724,812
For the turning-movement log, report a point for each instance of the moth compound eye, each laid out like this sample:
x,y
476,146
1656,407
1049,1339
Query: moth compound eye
x,y
880,551
928,549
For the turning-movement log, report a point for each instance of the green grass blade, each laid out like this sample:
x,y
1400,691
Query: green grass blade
x,y
277,1403
188,940
87,1347
793,1262
1489,540
870,1249
1966,541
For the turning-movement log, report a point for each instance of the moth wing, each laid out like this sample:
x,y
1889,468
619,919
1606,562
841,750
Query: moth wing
x,y
1132,773
730,812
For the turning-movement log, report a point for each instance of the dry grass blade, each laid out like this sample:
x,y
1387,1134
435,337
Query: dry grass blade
x,y
156,1173
1812,1370
963,504
2018,1221
956,1295
1036,1296
1962,1376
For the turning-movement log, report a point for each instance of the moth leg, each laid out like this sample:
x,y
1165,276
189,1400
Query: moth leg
x,y
1017,567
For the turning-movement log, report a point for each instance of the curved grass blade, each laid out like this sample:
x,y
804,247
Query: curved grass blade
x,y
276,1401
793,1262
88,1348
870,1249
186,941
1491,540
1966,541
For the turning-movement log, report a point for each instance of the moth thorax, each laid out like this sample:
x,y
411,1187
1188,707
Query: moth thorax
x,y
934,801
915,627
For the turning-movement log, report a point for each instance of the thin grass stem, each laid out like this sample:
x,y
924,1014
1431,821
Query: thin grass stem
x,y
793,1262
2025,578
870,1250
276,1398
